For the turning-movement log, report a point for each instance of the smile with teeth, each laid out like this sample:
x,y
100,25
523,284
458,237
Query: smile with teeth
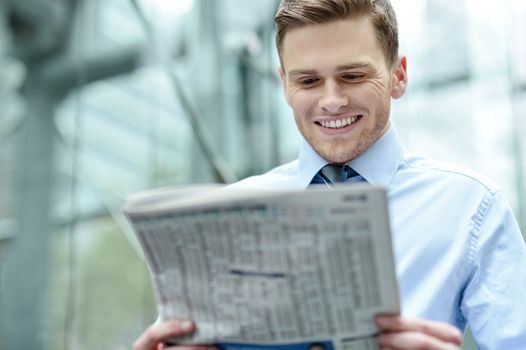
x,y
340,123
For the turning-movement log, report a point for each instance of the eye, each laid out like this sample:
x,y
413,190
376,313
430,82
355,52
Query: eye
x,y
353,76
308,81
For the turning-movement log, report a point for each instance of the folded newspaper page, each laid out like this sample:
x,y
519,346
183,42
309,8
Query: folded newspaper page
x,y
304,270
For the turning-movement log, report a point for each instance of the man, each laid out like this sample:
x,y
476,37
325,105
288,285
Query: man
x,y
460,257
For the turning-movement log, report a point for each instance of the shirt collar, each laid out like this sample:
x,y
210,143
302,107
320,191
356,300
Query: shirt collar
x,y
377,165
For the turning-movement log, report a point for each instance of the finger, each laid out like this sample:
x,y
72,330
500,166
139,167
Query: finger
x,y
188,347
173,346
414,341
440,330
159,332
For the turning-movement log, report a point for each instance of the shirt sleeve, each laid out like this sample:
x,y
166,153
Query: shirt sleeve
x,y
494,299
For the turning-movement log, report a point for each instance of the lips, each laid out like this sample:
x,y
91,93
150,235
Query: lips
x,y
339,123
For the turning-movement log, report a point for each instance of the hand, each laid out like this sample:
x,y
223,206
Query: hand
x,y
157,334
400,333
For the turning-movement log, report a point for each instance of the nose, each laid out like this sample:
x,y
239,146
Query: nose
x,y
333,98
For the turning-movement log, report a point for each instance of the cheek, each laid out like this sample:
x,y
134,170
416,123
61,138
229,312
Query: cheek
x,y
373,96
302,104
378,88
293,95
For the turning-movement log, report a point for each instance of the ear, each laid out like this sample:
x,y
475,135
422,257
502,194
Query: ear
x,y
399,83
283,77
281,74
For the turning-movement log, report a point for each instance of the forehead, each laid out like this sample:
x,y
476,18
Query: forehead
x,y
333,44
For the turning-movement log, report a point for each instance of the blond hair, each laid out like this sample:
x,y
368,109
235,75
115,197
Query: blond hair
x,y
298,13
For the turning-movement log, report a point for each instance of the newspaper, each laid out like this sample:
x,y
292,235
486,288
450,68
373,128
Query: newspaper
x,y
304,270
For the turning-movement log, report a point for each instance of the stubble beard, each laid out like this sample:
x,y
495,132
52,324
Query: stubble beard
x,y
342,150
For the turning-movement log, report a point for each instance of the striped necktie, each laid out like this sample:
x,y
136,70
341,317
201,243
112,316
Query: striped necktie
x,y
332,174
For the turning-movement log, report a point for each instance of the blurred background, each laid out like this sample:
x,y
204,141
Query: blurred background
x,y
102,98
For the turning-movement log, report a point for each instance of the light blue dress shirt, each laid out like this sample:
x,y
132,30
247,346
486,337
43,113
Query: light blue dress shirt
x,y
460,256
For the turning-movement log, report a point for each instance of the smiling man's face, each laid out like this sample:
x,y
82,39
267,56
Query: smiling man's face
x,y
339,86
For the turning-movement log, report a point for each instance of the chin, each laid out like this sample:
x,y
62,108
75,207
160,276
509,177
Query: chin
x,y
339,157
342,153
340,160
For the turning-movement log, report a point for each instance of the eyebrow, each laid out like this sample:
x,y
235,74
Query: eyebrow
x,y
344,67
357,65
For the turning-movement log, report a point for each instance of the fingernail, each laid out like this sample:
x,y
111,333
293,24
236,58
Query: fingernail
x,y
186,326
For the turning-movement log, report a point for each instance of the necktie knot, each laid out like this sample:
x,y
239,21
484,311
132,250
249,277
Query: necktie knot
x,y
332,174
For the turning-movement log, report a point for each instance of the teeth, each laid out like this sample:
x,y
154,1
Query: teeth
x,y
340,123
